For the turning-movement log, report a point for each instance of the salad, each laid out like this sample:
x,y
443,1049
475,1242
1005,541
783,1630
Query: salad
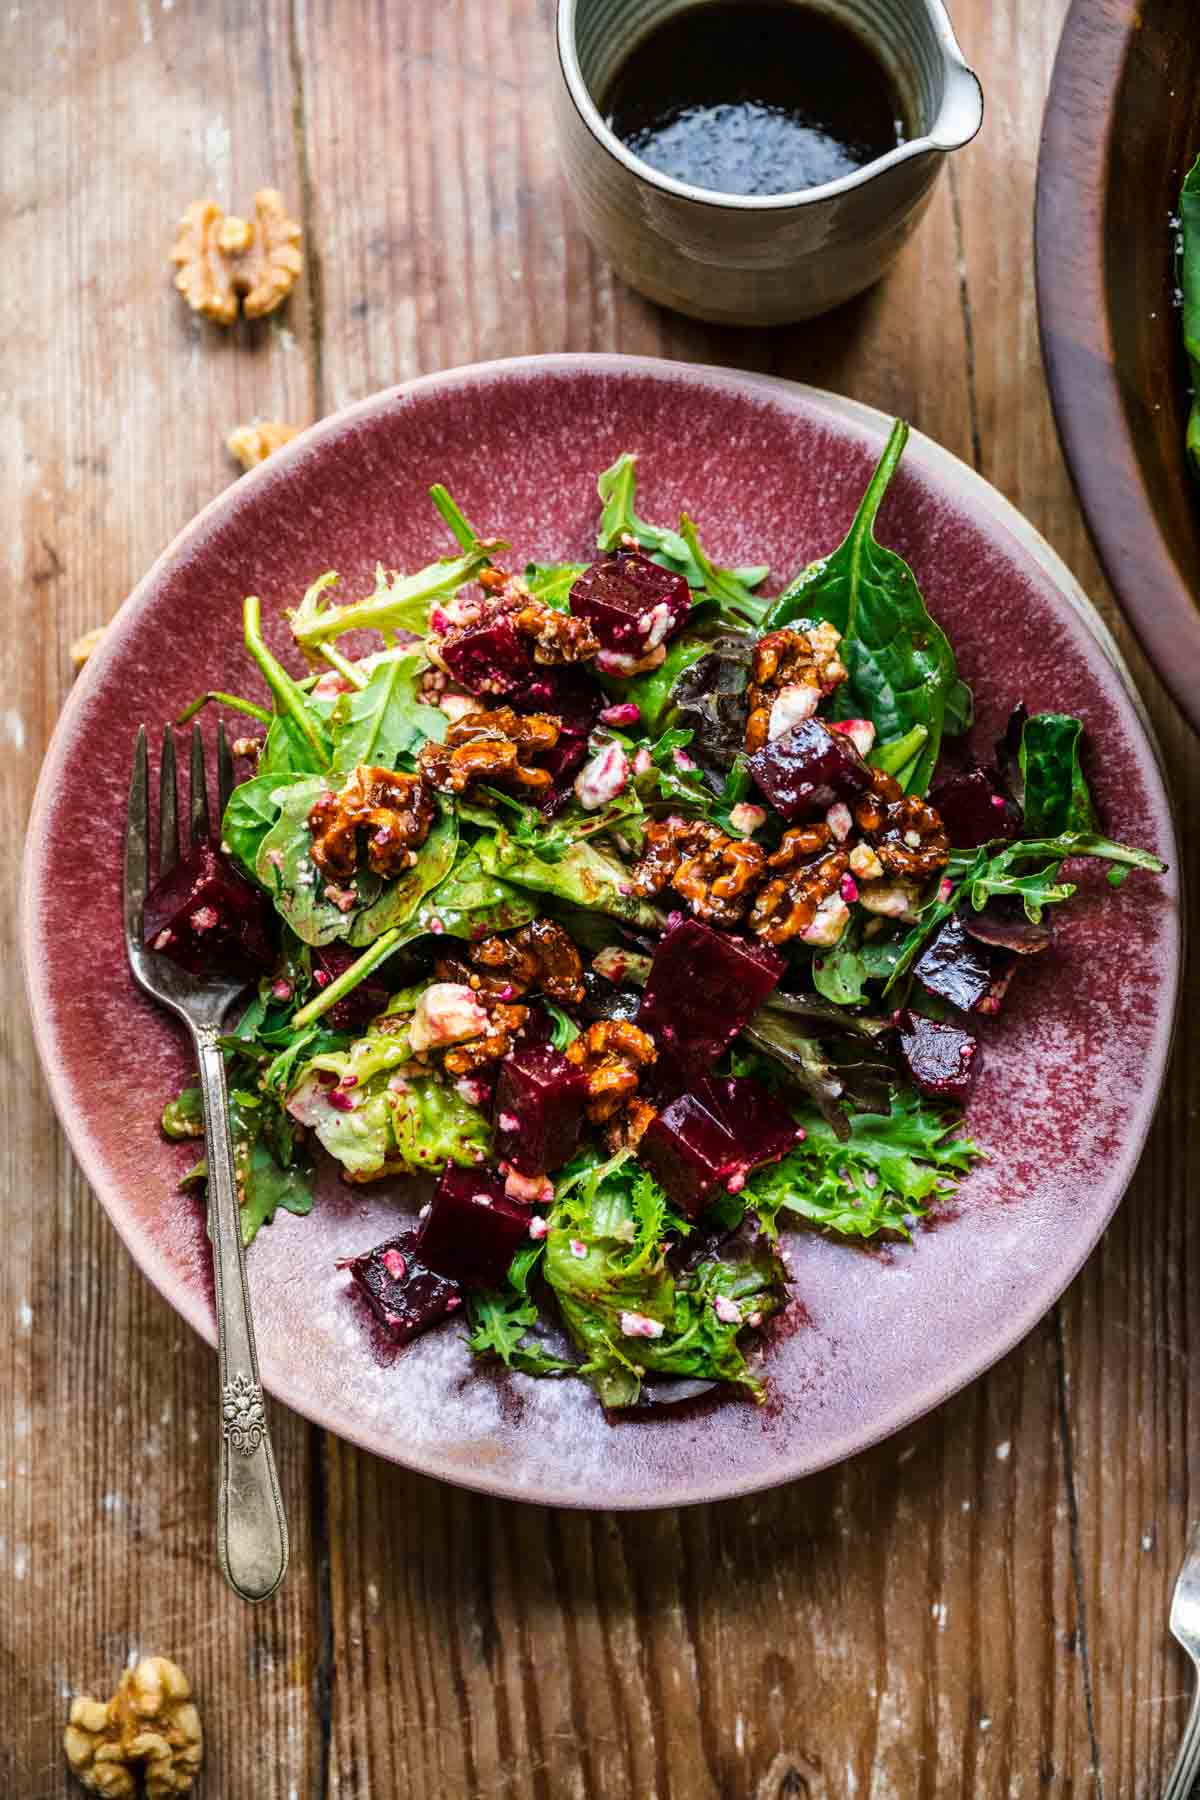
x,y
640,914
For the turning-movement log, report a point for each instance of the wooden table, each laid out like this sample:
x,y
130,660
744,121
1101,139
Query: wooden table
x,y
977,1607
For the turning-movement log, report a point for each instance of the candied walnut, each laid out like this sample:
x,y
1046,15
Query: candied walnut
x,y
494,746
790,658
612,1054
558,637
912,842
718,882
787,904
714,873
871,811
540,955
395,810
150,1721
668,843
626,1129
222,259
84,646
252,444
504,1022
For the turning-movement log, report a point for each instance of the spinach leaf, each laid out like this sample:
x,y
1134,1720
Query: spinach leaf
x,y
838,974
1056,796
284,866
879,1179
387,719
901,667
252,811
1189,281
470,902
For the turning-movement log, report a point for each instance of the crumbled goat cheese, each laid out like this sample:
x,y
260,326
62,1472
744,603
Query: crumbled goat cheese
x,y
828,923
861,733
792,705
746,818
602,779
840,820
447,1013
634,1324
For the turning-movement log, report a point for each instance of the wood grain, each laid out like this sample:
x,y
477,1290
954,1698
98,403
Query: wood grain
x,y
976,1608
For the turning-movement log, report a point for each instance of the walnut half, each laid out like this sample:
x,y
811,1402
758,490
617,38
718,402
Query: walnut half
x,y
221,259
252,444
151,1721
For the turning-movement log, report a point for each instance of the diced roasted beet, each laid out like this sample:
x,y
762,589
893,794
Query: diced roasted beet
x,y
941,1059
568,694
630,603
364,1002
804,770
970,975
403,1292
573,697
974,807
205,917
1003,922
488,658
473,1229
689,1153
760,1125
702,988
539,1112
712,1136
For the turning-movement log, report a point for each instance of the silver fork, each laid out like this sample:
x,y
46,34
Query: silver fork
x,y
252,1537
1185,1627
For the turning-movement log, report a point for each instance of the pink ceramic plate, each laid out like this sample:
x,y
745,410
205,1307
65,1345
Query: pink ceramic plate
x,y
1073,1067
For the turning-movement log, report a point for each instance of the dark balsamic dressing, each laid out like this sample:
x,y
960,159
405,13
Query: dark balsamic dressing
x,y
761,98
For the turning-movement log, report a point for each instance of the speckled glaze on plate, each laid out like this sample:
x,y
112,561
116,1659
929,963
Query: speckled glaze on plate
x,y
1072,1068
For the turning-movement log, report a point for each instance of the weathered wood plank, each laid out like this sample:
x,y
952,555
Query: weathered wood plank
x,y
115,405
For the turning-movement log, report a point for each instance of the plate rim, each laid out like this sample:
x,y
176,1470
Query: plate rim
x,y
872,425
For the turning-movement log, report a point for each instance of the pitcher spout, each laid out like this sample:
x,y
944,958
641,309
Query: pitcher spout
x,y
960,114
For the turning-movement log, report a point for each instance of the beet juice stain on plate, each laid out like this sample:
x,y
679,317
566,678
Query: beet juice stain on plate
x,y
761,99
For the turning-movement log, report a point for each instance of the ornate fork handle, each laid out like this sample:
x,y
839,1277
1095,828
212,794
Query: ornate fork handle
x,y
252,1538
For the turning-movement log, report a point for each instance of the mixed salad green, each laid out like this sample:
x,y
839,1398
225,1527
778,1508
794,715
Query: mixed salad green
x,y
646,913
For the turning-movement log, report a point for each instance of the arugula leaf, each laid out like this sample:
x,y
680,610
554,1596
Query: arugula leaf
x,y
385,720
399,603
730,588
994,871
877,1180
1056,796
1189,281
502,1320
901,667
